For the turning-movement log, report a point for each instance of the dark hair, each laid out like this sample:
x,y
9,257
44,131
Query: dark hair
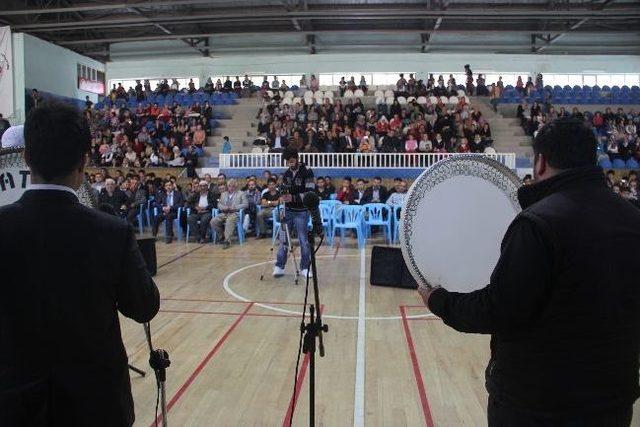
x,y
378,178
566,143
57,138
289,153
274,180
347,178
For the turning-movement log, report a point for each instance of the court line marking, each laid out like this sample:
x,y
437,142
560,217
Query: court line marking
x,y
358,405
179,257
416,369
229,313
294,401
227,288
203,363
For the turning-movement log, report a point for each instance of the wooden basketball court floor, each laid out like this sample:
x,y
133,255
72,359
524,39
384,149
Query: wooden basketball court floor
x,y
233,341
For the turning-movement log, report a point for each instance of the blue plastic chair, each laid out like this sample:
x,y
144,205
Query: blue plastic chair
x,y
189,225
349,217
378,214
632,164
239,227
176,222
326,215
396,222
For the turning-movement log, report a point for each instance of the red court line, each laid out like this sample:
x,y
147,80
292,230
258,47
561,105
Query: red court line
x,y
413,319
202,364
179,257
416,369
414,306
228,313
293,401
228,301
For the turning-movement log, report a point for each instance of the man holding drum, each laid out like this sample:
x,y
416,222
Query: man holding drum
x,y
562,305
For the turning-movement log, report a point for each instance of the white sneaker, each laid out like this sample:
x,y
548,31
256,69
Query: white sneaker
x,y
306,272
278,272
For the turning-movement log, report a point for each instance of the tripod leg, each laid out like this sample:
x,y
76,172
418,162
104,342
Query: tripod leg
x,y
271,257
293,253
137,370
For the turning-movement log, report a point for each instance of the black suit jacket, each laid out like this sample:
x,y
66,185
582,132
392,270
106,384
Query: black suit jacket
x,y
368,195
194,199
161,200
343,145
66,272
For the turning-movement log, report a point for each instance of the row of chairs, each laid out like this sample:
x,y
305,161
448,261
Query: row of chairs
x,y
618,163
336,218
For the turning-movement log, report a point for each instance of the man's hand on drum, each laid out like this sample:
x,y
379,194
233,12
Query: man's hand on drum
x,y
425,293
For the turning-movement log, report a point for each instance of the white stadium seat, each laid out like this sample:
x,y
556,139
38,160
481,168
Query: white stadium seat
x,y
444,99
296,100
460,93
288,94
390,100
402,100
379,94
348,94
328,94
270,93
411,99
308,94
453,100
318,95
379,100
433,100
466,98
358,93
489,150
422,100
388,93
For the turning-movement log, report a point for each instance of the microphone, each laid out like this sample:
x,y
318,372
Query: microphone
x,y
311,201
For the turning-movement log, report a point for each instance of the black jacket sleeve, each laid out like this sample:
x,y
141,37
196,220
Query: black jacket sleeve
x,y
515,297
137,295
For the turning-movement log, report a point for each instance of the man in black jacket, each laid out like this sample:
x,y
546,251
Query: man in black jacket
x,y
298,179
168,203
67,271
377,193
201,202
563,306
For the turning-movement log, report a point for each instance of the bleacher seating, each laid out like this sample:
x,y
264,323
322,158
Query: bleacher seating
x,y
624,95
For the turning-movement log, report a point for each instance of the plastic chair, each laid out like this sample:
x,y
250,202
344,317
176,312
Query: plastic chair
x,y
213,213
239,228
378,214
326,215
349,217
142,217
176,222
396,222
632,164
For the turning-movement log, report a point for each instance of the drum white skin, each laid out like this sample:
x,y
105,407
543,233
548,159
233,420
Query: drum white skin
x,y
453,221
15,177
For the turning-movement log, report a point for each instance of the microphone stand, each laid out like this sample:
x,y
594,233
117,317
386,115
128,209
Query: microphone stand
x,y
159,361
310,332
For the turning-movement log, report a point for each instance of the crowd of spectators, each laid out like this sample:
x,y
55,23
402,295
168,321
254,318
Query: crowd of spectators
x,y
350,127
616,131
626,186
134,191
149,135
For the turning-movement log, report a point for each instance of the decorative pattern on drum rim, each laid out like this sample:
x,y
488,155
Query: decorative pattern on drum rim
x,y
14,158
460,165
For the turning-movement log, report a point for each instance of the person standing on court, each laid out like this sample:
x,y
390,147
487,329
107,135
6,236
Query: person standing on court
x,y
297,180
67,270
562,305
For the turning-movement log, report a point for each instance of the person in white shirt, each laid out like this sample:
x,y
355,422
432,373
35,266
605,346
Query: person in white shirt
x,y
397,198
200,203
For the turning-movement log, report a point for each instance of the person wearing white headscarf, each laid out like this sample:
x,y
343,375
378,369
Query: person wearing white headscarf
x,y
13,137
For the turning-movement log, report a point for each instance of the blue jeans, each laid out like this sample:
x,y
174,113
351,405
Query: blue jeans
x,y
299,220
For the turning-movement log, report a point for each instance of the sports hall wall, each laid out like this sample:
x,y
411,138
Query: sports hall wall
x,y
49,68
277,63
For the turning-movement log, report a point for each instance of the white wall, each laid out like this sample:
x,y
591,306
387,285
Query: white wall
x,y
17,39
53,69
384,62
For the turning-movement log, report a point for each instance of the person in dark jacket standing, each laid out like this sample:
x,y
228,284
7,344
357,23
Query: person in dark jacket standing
x,y
67,270
297,180
562,305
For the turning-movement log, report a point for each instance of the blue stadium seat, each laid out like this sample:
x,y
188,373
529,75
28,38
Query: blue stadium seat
x,y
605,163
619,164
632,164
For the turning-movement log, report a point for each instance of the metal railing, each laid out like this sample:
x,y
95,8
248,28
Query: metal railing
x,y
351,160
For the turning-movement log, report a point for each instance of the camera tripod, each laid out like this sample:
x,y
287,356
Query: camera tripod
x,y
286,234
